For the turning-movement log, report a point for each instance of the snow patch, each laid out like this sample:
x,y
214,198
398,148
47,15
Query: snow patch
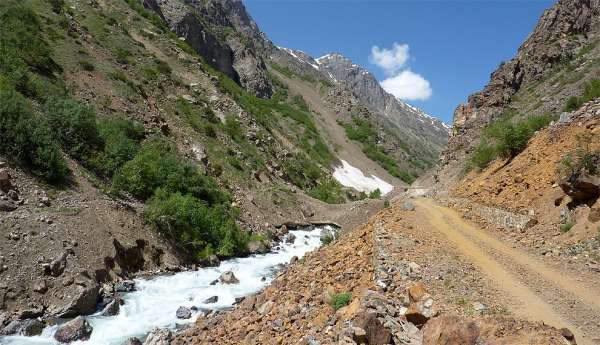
x,y
350,176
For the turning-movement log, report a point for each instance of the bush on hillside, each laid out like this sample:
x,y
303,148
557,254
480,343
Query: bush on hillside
x,y
329,191
340,300
194,225
506,139
121,139
74,126
158,165
27,138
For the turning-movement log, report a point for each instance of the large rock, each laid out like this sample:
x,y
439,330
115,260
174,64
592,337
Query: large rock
x,y
58,265
76,329
183,313
375,332
159,336
228,278
421,305
111,308
7,206
132,341
27,328
450,330
125,286
82,301
257,247
581,187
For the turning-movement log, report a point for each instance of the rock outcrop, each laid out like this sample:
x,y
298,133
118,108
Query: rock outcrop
x,y
76,329
562,34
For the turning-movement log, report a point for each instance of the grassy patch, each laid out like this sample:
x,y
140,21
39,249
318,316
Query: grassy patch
x,y
564,228
329,191
340,300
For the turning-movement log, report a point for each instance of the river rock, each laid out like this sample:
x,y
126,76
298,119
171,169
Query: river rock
x,y
133,341
183,313
111,309
125,286
290,238
27,328
82,301
210,300
159,336
257,247
76,329
228,278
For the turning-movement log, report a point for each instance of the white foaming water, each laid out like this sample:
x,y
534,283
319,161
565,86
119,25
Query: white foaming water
x,y
350,176
156,300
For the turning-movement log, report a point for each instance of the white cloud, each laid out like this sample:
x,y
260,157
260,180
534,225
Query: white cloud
x,y
408,85
390,60
401,81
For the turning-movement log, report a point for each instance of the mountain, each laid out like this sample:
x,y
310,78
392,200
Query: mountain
x,y
554,64
424,133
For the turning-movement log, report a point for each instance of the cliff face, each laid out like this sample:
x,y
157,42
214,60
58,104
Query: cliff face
x,y
550,66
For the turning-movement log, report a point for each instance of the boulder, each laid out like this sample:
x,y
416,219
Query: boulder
x,y
183,313
421,305
581,187
82,301
132,341
257,247
29,328
111,309
210,300
228,278
159,336
266,307
125,286
375,332
290,238
76,329
450,330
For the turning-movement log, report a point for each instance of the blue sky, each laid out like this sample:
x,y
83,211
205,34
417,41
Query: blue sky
x,y
453,46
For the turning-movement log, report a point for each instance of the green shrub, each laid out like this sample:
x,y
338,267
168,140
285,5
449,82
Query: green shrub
x,y
195,226
376,194
506,138
121,142
74,126
57,5
329,191
583,158
27,138
327,239
566,227
340,300
158,165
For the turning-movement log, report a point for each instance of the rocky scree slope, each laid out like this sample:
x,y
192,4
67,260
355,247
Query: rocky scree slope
x,y
559,57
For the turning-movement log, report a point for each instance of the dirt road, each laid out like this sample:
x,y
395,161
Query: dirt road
x,y
538,292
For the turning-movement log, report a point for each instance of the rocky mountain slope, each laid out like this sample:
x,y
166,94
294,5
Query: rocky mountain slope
x,y
551,66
